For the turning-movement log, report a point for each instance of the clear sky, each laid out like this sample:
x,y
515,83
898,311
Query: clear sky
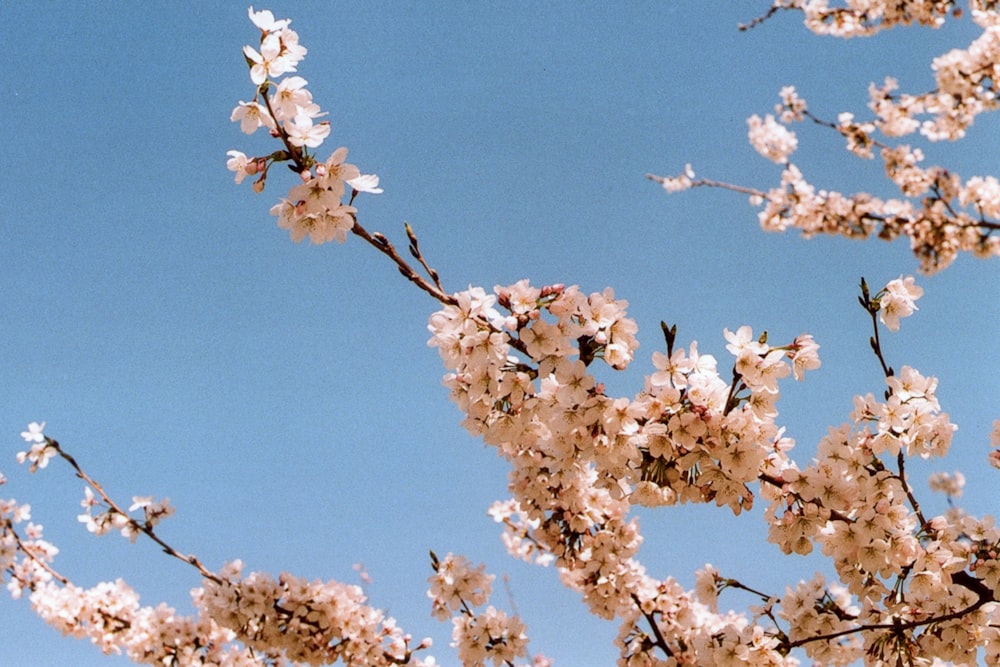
x,y
283,396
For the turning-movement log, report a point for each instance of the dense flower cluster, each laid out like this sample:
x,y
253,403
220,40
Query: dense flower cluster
x,y
940,214
456,583
488,635
859,18
311,622
110,616
771,139
581,459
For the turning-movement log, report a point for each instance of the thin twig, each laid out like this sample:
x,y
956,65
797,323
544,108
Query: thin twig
x,y
660,641
8,528
382,244
144,528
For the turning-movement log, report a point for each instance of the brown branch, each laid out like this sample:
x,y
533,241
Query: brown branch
x,y
909,625
660,641
872,307
743,27
8,528
704,182
298,156
382,244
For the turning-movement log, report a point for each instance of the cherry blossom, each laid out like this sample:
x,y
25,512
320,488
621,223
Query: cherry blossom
x,y
34,434
265,20
303,132
365,183
41,450
521,366
291,99
771,139
898,300
947,483
238,163
269,61
250,116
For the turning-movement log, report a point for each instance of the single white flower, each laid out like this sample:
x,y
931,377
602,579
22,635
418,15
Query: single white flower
x,y
303,132
250,116
366,183
237,162
291,99
898,300
264,20
34,432
270,62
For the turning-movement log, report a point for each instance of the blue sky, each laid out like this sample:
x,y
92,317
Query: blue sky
x,y
283,395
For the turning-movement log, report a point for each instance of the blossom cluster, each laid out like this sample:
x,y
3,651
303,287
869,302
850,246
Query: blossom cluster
x,y
311,622
951,217
23,559
315,207
111,617
239,620
111,518
41,450
519,362
491,634
581,459
771,139
940,214
951,484
866,18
